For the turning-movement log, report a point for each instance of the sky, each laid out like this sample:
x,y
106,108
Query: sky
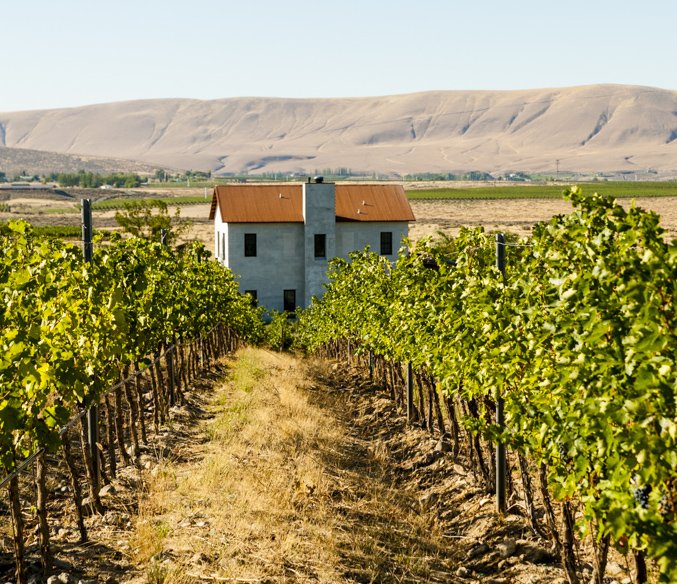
x,y
74,52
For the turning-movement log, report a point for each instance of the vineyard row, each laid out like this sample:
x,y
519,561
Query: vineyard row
x,y
71,328
577,341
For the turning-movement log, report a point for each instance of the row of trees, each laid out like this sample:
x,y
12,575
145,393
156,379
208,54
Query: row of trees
x,y
132,180
161,175
578,338
20,177
473,175
93,180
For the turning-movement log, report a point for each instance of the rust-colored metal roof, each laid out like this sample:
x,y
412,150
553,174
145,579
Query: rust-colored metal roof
x,y
372,203
284,203
258,203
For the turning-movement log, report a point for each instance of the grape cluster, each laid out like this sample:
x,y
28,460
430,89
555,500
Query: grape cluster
x,y
665,506
641,495
563,451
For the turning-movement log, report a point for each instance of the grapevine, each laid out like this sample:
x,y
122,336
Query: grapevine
x,y
578,336
68,327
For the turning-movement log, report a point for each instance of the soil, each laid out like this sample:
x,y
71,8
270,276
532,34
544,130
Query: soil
x,y
515,215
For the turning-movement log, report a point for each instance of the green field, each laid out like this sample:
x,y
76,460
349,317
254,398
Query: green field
x,y
114,204
58,231
531,191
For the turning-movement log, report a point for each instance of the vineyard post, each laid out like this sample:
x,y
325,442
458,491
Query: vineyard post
x,y
169,352
500,415
371,365
92,413
410,392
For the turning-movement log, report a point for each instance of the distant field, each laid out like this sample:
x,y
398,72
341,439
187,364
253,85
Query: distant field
x,y
530,191
62,231
113,204
58,231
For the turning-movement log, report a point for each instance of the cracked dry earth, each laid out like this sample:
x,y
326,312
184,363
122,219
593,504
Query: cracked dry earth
x,y
288,470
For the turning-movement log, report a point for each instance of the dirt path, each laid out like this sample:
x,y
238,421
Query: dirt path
x,y
280,491
281,469
295,472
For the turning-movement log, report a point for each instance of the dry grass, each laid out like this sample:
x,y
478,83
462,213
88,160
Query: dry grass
x,y
282,492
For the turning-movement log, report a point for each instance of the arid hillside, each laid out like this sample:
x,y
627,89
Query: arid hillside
x,y
14,161
582,129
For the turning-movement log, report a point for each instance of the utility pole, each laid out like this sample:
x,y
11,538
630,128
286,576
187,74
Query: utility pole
x,y
557,170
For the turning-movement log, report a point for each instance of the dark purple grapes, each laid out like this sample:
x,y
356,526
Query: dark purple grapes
x,y
665,506
641,495
562,449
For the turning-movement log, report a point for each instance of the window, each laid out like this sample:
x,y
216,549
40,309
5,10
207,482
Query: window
x,y
386,243
223,247
289,300
254,296
250,245
320,245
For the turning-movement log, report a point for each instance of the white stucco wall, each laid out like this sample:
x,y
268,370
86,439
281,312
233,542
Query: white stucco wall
x,y
219,228
277,265
319,213
285,258
354,236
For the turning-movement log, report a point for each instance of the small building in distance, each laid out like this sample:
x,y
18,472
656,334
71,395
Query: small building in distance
x,y
278,238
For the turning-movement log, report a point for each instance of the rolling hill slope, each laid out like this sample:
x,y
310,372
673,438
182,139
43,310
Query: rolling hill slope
x,y
590,128
15,161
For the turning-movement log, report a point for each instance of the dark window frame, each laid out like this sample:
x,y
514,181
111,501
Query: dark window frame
x,y
321,245
386,243
289,300
250,245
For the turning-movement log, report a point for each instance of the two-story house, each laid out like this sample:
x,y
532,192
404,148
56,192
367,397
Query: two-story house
x,y
278,238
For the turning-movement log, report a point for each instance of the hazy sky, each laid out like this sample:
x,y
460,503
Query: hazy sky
x,y
75,52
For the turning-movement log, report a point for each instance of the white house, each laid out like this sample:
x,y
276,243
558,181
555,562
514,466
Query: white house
x,y
278,238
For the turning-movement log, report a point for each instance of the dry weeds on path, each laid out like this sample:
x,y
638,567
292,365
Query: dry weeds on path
x,y
282,491
296,471
281,469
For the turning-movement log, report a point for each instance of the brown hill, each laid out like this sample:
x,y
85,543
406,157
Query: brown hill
x,y
14,161
590,128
